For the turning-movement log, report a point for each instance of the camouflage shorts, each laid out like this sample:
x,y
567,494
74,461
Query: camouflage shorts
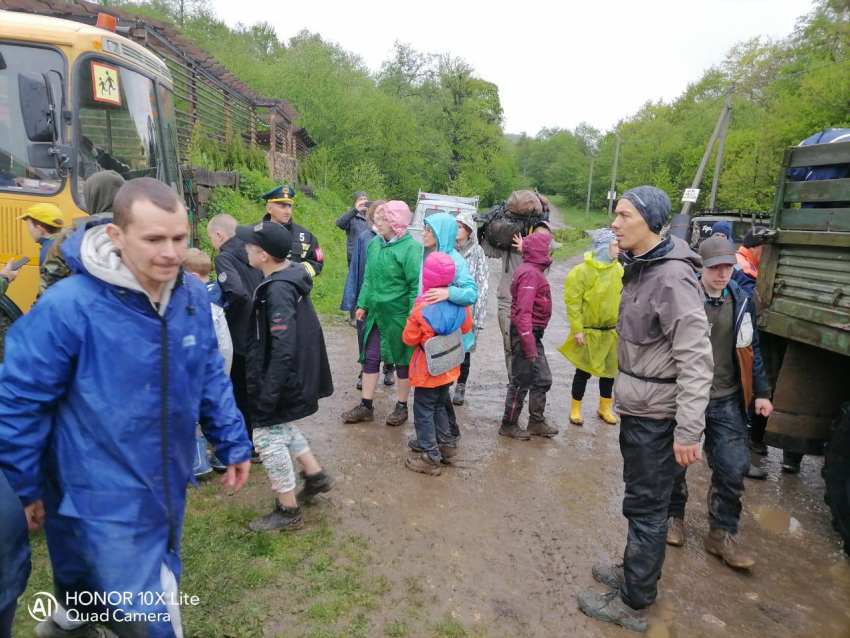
x,y
277,446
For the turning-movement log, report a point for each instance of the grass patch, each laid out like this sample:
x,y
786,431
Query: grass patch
x,y
315,583
397,629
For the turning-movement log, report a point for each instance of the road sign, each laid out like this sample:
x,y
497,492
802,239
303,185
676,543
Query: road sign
x,y
612,195
691,195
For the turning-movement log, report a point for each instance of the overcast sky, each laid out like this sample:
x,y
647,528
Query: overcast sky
x,y
556,62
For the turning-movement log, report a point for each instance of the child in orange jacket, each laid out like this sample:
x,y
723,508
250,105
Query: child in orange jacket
x,y
434,444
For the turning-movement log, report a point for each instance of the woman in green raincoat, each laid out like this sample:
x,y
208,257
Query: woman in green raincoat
x,y
592,294
390,286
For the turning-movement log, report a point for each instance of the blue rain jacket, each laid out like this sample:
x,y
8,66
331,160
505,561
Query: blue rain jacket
x,y
463,290
100,396
356,270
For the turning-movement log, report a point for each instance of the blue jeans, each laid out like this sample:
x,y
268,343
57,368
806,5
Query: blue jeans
x,y
431,421
7,616
729,457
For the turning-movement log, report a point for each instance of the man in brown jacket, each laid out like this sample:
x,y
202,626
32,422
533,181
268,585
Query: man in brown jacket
x,y
661,392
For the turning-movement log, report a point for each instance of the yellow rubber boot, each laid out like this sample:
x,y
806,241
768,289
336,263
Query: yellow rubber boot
x,y
604,411
575,413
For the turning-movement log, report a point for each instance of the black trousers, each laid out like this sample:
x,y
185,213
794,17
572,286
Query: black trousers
x,y
580,379
532,378
649,470
240,389
464,368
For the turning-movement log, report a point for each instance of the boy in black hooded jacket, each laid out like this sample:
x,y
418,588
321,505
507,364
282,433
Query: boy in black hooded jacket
x,y
287,372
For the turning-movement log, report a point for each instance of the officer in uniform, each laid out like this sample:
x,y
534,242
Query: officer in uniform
x,y
305,246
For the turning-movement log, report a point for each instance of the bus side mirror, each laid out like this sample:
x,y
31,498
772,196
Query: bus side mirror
x,y
36,107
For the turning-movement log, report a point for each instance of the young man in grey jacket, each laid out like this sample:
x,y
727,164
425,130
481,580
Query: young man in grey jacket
x,y
661,392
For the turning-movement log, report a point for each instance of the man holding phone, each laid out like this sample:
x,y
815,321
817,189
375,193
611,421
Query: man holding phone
x,y
7,275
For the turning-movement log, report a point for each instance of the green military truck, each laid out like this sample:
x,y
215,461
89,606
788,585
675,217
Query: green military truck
x,y
803,296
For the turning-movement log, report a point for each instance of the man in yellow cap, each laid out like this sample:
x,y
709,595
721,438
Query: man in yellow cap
x,y
44,223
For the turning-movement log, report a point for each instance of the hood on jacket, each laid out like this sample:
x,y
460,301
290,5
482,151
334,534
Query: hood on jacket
x,y
667,248
398,216
100,190
91,251
296,275
445,230
467,219
438,271
444,317
535,249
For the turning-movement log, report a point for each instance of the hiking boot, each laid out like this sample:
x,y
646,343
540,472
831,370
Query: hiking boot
x,y
604,411
280,519
758,447
389,377
360,414
360,381
314,484
216,464
675,531
791,463
541,428
756,473
725,545
514,431
424,464
49,629
460,394
609,607
448,451
397,416
575,413
611,576
255,456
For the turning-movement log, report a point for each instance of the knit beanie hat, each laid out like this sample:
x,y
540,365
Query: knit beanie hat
x,y
601,239
360,194
652,203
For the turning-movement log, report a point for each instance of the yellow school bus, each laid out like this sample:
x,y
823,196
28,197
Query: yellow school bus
x,y
74,100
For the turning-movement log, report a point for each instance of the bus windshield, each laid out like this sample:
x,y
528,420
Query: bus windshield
x,y
119,126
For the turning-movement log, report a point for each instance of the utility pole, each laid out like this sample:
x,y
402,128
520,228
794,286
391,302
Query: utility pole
x,y
589,186
701,170
727,114
525,167
614,179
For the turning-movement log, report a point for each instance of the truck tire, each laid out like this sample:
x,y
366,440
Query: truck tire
x,y
837,475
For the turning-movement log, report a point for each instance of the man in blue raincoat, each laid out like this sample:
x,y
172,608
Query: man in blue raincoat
x,y
102,385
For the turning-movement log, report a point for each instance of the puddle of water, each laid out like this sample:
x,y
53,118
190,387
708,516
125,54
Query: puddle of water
x,y
777,521
657,629
840,573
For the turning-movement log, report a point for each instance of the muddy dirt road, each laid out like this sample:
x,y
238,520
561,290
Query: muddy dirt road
x,y
505,540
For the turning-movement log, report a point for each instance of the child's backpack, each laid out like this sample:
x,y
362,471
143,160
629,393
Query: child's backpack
x,y
443,352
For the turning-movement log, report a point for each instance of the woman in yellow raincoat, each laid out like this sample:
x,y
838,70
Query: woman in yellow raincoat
x,y
592,294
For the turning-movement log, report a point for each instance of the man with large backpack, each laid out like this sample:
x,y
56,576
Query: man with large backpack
x,y
501,237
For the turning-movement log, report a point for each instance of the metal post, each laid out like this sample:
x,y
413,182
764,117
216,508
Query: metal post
x,y
614,178
589,186
701,170
727,114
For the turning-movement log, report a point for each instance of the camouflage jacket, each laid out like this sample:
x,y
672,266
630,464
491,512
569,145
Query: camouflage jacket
x,y
54,267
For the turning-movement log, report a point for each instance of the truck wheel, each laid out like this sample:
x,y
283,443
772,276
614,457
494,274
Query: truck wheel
x,y
837,475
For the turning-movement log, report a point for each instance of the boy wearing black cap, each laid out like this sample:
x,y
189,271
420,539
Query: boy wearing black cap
x,y
738,377
287,372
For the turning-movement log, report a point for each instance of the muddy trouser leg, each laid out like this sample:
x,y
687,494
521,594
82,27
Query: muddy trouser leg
x,y
240,389
541,381
447,430
464,368
278,446
726,445
505,327
453,428
522,376
580,379
648,472
679,497
426,402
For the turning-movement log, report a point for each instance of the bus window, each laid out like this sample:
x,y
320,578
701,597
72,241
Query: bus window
x,y
15,174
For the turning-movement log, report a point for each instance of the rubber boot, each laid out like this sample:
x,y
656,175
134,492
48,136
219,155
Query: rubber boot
x,y
604,411
575,413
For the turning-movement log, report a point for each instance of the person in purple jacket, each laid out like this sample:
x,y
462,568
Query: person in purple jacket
x,y
531,309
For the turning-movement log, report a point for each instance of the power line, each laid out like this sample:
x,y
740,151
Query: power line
x,y
678,124
799,73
